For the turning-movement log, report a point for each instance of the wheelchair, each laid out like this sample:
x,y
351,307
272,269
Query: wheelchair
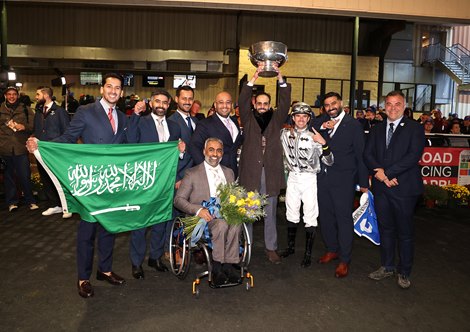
x,y
181,255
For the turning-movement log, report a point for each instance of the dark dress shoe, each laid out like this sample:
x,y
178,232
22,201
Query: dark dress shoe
x,y
113,278
341,270
328,257
157,264
219,278
234,276
137,272
85,289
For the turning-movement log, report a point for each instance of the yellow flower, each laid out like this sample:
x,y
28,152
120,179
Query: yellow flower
x,y
256,202
242,210
232,199
250,194
241,202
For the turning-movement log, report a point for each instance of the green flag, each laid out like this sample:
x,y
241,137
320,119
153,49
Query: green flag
x,y
121,186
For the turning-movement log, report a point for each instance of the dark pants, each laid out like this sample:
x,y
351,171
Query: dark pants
x,y
17,169
85,248
336,205
48,187
138,243
396,226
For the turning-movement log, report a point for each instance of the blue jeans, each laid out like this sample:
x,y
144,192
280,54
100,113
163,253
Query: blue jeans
x,y
18,171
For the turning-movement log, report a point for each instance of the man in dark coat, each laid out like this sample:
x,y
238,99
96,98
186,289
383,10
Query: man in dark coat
x,y
153,127
222,126
392,153
50,121
336,183
261,165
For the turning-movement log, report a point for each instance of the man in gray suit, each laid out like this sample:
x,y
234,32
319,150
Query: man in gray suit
x,y
199,184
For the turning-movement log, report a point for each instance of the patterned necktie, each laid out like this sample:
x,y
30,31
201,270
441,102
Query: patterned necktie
x,y
390,134
229,127
44,112
111,119
160,131
217,179
190,126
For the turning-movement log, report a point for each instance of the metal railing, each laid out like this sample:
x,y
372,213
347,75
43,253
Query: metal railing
x,y
451,57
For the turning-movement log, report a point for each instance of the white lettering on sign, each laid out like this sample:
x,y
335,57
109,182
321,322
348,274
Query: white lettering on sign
x,y
436,171
88,179
439,182
441,158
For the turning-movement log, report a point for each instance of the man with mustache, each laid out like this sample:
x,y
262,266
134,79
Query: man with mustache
x,y
200,184
222,126
337,182
145,129
261,165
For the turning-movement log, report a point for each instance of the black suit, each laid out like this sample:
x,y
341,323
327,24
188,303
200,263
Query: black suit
x,y
186,133
395,206
47,127
142,129
337,183
214,127
92,125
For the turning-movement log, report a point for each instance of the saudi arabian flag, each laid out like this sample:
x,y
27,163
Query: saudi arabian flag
x,y
121,186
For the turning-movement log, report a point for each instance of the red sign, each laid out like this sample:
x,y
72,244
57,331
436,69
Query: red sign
x,y
442,166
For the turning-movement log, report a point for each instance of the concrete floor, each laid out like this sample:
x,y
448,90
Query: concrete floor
x,y
38,285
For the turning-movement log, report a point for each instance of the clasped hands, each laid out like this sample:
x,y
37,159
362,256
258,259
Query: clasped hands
x,y
380,175
205,214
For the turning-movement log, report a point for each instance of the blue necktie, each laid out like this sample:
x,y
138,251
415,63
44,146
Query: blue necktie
x,y
188,119
390,134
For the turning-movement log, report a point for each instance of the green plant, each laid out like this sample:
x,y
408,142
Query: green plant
x,y
435,193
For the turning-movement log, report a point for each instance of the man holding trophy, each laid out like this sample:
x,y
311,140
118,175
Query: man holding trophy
x,y
261,164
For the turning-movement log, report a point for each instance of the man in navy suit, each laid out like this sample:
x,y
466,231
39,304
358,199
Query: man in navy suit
x,y
97,123
145,129
336,183
184,99
222,126
392,153
50,121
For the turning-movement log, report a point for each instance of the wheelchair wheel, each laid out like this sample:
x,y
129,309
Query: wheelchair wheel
x,y
245,247
180,251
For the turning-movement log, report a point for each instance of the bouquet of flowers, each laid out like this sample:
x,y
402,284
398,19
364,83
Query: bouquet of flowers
x,y
234,204
457,192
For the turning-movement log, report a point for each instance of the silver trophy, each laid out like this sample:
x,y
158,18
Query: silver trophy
x,y
268,53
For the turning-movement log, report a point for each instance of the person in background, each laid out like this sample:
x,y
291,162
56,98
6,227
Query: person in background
x,y
50,121
195,109
16,125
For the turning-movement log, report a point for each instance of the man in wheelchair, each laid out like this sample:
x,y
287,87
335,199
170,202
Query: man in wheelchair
x,y
199,184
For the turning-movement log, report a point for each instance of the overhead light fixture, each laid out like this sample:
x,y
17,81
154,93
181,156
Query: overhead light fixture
x,y
11,76
19,84
62,79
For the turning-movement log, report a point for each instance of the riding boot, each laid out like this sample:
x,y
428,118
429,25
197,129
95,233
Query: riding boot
x,y
291,231
309,237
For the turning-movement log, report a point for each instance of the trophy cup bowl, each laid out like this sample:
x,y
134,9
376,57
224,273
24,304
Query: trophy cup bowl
x,y
268,53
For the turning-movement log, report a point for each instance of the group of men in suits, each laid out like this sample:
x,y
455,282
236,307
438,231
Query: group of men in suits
x,y
214,143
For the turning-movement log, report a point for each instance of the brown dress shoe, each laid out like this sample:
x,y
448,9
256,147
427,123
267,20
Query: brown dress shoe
x,y
273,257
341,270
113,278
328,257
85,289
